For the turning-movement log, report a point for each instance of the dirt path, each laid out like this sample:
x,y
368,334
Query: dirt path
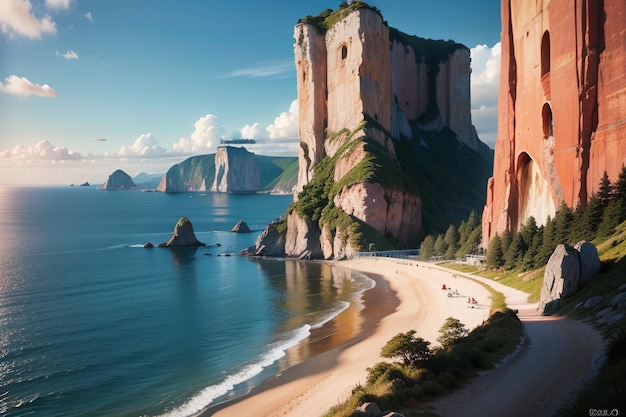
x,y
559,356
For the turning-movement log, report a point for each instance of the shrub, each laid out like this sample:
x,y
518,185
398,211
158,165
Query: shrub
x,y
451,331
408,347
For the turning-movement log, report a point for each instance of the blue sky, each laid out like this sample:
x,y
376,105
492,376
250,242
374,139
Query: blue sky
x,y
89,86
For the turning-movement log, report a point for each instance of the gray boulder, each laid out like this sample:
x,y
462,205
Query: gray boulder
x,y
592,302
562,275
371,409
619,300
589,261
183,236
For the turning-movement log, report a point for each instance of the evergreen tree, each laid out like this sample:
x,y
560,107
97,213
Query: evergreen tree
x,y
440,246
427,248
452,241
563,223
619,194
406,346
548,242
507,238
495,255
605,190
610,218
514,253
451,332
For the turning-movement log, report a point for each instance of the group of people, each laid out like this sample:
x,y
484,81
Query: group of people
x,y
452,293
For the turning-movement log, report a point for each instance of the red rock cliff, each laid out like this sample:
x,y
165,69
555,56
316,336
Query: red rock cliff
x,y
561,108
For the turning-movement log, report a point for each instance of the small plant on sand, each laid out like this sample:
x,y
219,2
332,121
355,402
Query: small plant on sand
x,y
451,332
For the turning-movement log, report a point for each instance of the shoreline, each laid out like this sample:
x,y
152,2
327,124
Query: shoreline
x,y
312,387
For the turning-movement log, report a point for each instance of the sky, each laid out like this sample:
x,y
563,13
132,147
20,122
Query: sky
x,y
90,86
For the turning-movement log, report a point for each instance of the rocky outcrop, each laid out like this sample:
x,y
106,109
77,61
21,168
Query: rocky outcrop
x,y
183,236
119,180
233,170
556,147
568,270
241,227
377,109
269,243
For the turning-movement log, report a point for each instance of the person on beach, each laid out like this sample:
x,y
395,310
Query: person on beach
x,y
444,287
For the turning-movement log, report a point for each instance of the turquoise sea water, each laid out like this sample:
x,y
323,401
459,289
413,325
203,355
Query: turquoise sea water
x,y
92,324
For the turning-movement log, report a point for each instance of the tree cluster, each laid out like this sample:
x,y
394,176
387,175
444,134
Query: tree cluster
x,y
532,246
455,242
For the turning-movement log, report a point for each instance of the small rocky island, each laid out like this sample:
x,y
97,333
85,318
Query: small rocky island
x,y
183,237
119,180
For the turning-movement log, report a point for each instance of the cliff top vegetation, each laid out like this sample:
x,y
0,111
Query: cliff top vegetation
x,y
329,17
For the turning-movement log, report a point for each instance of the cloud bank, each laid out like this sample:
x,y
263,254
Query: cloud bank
x,y
42,150
68,55
17,19
22,86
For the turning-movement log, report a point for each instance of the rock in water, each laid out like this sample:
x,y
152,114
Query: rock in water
x,y
241,227
119,180
183,236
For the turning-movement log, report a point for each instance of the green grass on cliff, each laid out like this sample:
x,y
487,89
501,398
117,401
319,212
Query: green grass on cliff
x,y
329,17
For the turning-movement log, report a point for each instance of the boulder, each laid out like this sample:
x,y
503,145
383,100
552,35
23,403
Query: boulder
x,y
241,227
183,236
592,302
371,409
562,275
619,300
589,261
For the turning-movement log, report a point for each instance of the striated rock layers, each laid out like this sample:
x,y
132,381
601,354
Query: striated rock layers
x,y
561,108
373,103
233,170
119,180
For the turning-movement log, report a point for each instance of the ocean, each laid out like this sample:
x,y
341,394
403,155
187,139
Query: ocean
x,y
93,324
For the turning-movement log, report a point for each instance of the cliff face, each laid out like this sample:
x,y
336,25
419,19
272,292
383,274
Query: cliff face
x,y
236,170
367,92
561,112
231,169
118,180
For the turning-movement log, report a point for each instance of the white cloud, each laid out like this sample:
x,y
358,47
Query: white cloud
x,y
68,55
286,125
145,146
58,4
204,139
272,69
22,86
89,17
42,150
16,18
250,131
485,82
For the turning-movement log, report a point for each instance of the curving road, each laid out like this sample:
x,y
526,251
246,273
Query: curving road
x,y
559,356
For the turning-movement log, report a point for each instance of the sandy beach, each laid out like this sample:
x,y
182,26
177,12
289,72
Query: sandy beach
x,y
313,387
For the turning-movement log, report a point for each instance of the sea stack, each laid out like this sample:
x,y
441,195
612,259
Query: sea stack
x,y
183,236
119,180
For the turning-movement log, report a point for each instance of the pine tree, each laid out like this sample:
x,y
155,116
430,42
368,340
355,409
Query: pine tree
x,y
440,246
452,242
605,190
495,255
427,248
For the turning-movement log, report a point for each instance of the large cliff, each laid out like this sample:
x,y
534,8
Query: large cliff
x,y
231,169
385,136
561,108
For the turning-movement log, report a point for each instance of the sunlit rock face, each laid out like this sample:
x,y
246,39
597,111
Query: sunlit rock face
x,y
560,105
534,194
236,170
